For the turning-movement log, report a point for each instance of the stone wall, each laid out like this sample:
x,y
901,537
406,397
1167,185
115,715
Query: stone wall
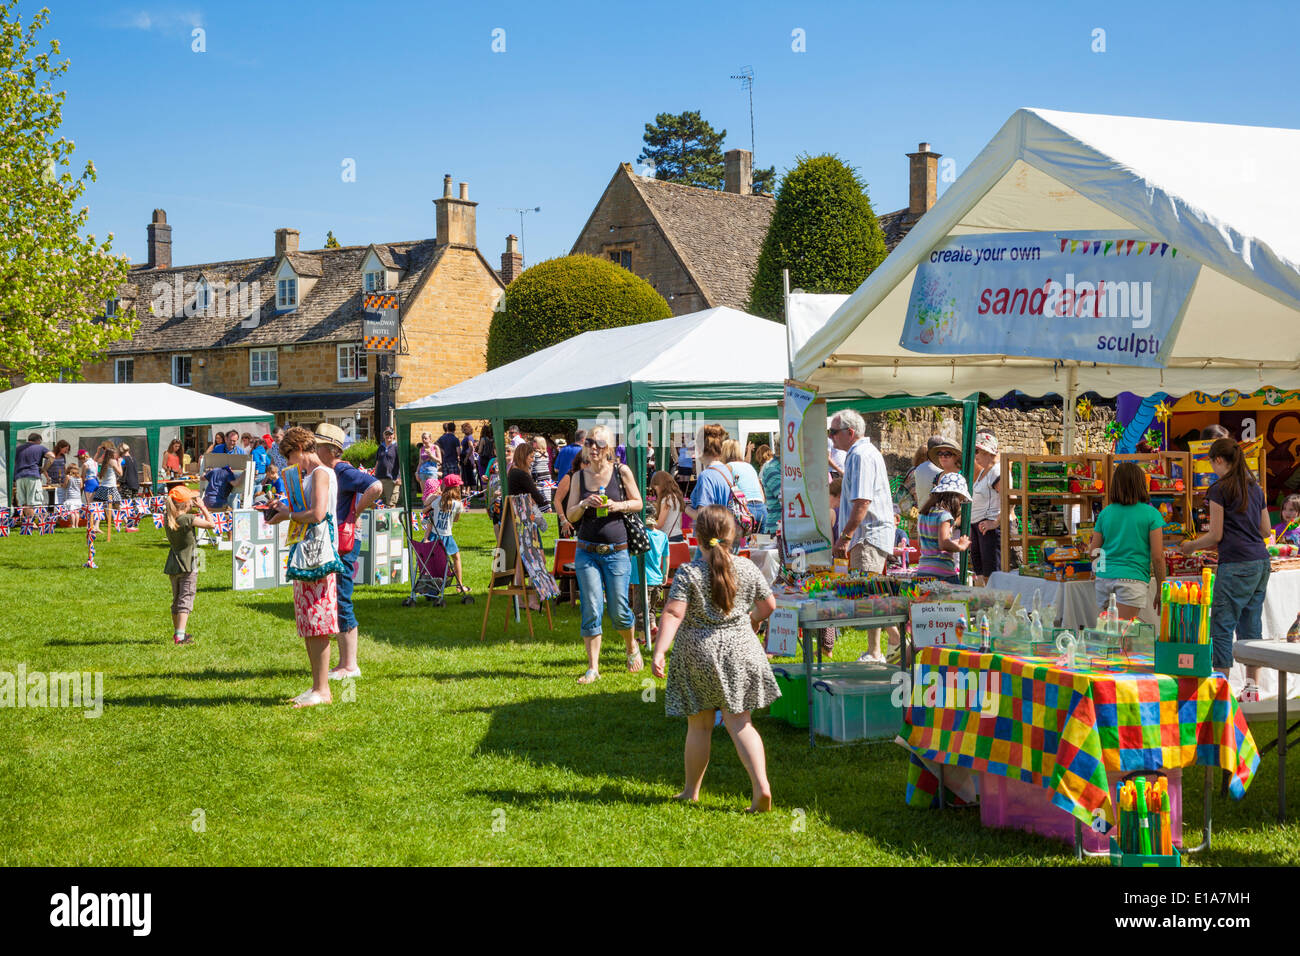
x,y
1034,432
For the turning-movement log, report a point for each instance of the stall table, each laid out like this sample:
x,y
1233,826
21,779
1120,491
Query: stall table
x,y
1065,729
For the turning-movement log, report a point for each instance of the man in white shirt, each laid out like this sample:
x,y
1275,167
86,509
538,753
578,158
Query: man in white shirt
x,y
866,514
834,459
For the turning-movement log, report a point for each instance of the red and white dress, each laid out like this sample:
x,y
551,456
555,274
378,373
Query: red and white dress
x,y
316,603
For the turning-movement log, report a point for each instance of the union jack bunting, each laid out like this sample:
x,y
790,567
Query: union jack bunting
x,y
222,522
6,518
158,521
4,530
26,525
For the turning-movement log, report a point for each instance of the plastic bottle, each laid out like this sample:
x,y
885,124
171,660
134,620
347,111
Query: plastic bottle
x,y
1035,629
1112,615
603,510
985,646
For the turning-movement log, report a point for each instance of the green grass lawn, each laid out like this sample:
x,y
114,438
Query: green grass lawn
x,y
454,751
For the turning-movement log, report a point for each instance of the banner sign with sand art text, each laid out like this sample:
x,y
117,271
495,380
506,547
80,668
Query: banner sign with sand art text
x,y
1110,297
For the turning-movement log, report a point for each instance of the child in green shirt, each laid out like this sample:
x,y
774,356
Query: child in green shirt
x,y
1128,542
180,567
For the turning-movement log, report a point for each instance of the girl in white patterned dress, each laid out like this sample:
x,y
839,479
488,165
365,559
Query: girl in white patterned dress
x,y
713,608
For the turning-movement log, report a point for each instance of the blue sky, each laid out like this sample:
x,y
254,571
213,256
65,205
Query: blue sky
x,y
252,134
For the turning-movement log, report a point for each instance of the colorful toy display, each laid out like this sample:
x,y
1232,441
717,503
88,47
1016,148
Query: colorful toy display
x,y
1185,610
1144,823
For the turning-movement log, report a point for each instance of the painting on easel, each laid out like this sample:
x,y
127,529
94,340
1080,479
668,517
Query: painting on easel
x,y
519,565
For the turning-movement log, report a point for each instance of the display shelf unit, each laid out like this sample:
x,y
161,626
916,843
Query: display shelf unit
x,y
1167,467
1040,489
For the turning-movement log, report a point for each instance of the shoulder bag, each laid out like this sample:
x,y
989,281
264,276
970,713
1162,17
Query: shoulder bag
x,y
638,540
745,523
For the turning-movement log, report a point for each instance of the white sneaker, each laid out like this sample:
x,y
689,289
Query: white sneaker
x,y
342,675
871,659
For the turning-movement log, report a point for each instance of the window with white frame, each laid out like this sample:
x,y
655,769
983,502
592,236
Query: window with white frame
x,y
124,370
375,281
352,363
110,308
286,294
203,296
180,370
263,367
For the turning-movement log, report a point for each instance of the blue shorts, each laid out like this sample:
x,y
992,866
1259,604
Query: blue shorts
x,y
449,543
345,582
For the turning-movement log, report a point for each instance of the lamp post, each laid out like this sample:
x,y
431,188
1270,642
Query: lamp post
x,y
387,384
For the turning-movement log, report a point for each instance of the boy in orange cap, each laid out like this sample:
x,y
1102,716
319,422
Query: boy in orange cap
x,y
180,567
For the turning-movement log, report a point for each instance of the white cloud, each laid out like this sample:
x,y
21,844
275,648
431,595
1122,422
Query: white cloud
x,y
162,21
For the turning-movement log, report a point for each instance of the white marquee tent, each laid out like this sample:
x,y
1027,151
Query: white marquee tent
x,y
1216,192
154,410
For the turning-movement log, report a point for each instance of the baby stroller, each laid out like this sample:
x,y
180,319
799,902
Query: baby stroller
x,y
432,567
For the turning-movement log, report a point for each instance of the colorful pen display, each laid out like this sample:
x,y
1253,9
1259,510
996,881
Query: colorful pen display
x,y
1144,821
1185,610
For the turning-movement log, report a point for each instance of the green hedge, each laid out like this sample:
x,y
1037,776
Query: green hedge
x,y
560,298
361,453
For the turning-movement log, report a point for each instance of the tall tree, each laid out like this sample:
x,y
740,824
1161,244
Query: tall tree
x,y
822,230
54,281
684,149
763,180
331,242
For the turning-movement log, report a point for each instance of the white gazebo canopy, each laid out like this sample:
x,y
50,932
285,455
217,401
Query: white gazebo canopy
x,y
718,357
1211,190
140,404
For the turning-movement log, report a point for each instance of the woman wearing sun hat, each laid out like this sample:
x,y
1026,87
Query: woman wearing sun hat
x,y
986,554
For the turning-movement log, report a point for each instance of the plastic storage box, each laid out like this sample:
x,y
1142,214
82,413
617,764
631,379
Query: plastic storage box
x,y
1014,804
792,705
850,708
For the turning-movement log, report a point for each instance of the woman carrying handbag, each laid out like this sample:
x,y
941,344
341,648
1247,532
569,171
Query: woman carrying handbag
x,y
314,559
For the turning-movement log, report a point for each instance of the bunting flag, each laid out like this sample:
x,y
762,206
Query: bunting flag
x,y
6,518
222,523
158,521
117,520
26,526
48,522
4,530
1109,243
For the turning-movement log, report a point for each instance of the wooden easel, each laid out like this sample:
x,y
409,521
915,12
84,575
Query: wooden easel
x,y
503,582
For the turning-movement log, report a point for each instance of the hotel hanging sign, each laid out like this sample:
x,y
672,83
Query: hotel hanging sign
x,y
381,321
1108,297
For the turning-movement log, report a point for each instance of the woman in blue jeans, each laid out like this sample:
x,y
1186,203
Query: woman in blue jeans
x,y
1238,527
602,565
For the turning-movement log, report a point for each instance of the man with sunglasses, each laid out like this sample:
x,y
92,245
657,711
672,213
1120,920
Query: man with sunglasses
x,y
866,513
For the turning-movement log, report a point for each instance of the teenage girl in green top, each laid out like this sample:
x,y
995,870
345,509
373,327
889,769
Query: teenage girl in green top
x,y
1128,543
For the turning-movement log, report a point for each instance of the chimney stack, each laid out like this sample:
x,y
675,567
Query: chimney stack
x,y
739,176
286,240
455,217
923,187
160,241
512,260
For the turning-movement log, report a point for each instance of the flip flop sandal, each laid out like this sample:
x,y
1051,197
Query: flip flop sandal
x,y
590,676
635,658
309,698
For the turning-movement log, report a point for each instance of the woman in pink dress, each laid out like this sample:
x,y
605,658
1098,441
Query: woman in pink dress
x,y
315,603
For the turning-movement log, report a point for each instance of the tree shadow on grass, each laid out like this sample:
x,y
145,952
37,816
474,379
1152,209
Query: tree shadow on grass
x,y
546,798
166,700
63,642
212,674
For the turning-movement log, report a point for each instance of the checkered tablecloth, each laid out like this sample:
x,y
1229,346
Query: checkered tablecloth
x,y
1065,729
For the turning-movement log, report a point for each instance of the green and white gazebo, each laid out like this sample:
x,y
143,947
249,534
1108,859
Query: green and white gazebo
x,y
140,408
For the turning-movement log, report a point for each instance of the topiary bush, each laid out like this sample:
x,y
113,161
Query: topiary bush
x,y
361,454
822,230
560,298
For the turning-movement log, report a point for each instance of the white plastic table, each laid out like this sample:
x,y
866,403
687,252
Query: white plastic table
x,y
1285,659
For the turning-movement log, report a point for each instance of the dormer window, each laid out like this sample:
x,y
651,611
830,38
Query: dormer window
x,y
203,296
286,294
375,281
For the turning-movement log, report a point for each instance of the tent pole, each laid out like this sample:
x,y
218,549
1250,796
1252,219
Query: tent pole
x,y
1067,410
789,345
969,418
634,444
